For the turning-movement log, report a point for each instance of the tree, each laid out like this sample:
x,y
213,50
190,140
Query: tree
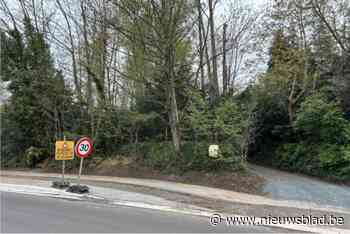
x,y
228,123
214,83
286,65
242,21
163,41
325,11
72,51
39,97
224,64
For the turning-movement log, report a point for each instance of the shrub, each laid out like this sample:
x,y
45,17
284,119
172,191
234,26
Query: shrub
x,y
226,123
159,155
299,157
34,155
13,162
194,156
325,160
321,120
323,144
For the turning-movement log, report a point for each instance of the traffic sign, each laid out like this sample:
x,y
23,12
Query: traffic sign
x,y
64,150
84,147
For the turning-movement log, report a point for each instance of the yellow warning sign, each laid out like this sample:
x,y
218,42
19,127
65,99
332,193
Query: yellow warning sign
x,y
64,150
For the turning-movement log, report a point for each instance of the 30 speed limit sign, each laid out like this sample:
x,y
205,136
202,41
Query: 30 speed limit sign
x,y
84,147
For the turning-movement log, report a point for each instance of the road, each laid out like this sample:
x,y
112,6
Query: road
x,y
288,186
24,213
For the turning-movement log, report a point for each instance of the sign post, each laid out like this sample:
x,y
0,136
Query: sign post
x,y
64,161
83,149
80,169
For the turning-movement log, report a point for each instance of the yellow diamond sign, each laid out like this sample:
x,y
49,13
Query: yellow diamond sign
x,y
64,150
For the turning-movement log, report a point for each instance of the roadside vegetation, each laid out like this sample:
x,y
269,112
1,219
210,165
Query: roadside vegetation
x,y
158,82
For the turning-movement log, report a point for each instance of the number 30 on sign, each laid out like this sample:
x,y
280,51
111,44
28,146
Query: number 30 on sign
x,y
84,147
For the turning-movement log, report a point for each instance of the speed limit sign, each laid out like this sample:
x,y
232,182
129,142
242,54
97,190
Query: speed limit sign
x,y
83,147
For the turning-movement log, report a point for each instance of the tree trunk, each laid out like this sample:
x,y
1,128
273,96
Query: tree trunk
x,y
173,111
137,136
89,78
224,66
214,81
174,119
205,51
72,52
208,61
290,112
169,68
201,45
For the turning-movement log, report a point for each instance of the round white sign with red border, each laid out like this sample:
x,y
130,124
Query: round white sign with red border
x,y
84,147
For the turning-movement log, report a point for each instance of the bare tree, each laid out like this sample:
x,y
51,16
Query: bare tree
x,y
201,47
166,28
224,65
214,79
241,22
72,50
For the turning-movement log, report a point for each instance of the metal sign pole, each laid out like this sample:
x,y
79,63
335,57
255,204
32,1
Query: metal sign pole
x,y
64,155
80,169
63,167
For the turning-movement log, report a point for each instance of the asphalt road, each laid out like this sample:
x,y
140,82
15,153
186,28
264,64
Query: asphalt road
x,y
24,213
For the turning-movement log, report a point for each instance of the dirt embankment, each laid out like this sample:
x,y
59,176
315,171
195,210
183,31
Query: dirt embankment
x,y
240,181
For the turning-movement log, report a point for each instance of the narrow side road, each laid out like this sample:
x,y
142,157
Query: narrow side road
x,y
25,213
288,186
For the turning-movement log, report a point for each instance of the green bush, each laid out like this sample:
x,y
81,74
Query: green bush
x,y
297,157
159,155
34,155
335,161
131,150
344,174
13,162
325,160
321,120
323,144
288,154
226,122
194,156
330,155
